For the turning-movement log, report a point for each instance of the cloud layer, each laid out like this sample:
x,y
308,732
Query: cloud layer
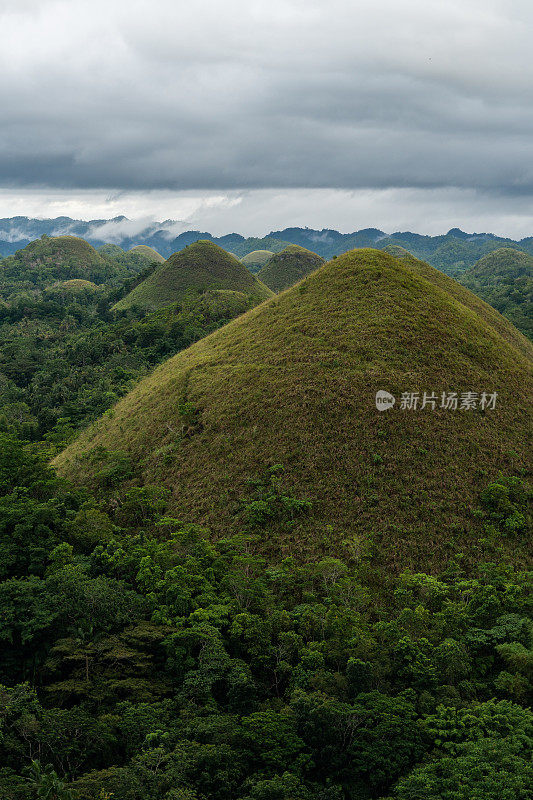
x,y
256,212
246,94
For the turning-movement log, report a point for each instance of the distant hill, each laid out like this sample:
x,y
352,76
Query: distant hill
x,y
256,259
111,251
293,383
148,252
60,251
51,260
502,264
242,247
288,267
200,267
452,252
504,278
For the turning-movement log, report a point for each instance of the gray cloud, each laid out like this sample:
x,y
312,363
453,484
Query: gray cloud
x,y
246,94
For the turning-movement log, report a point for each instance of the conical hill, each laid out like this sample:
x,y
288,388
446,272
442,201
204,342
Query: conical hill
x,y
288,267
148,252
293,382
200,267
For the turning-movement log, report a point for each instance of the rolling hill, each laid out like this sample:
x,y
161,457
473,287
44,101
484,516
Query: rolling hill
x,y
200,267
256,259
504,278
293,383
507,262
60,257
148,252
288,267
49,260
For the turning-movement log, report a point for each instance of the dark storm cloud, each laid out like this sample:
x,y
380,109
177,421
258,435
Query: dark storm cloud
x,y
225,95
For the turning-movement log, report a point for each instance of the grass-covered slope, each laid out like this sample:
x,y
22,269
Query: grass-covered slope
x,y
288,267
50,259
293,382
504,279
467,297
507,262
256,259
200,267
148,252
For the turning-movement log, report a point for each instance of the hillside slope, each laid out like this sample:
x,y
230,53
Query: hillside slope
x,y
288,267
48,260
256,259
148,252
200,267
504,279
507,262
293,382
470,298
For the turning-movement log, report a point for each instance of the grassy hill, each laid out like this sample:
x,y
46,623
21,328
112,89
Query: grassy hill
x,y
507,262
256,259
504,279
200,267
288,267
473,301
148,252
293,382
111,251
51,260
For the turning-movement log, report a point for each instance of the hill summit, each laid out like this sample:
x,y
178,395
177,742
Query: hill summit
x,y
198,268
47,261
256,259
148,252
506,262
288,267
58,251
294,382
472,301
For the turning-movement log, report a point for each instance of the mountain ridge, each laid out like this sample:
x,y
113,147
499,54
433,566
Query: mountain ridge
x,y
453,251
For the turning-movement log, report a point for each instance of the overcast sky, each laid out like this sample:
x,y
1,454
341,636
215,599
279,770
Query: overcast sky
x,y
249,115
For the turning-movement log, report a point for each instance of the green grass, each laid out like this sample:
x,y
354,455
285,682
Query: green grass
x,y
256,259
148,252
200,267
288,267
468,298
293,382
